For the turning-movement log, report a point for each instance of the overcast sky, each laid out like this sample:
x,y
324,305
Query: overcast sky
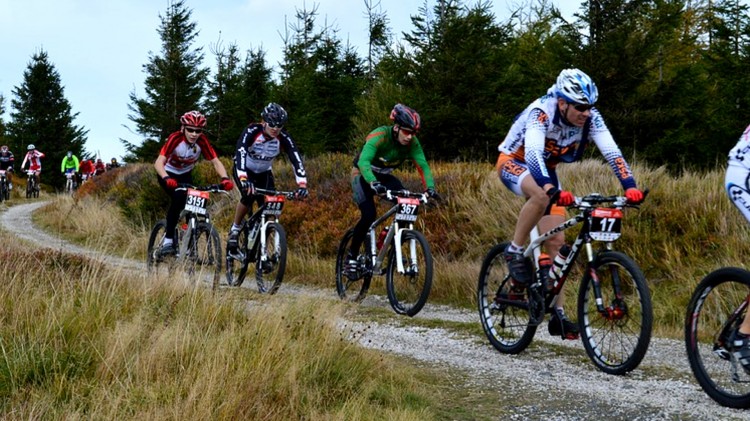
x,y
99,47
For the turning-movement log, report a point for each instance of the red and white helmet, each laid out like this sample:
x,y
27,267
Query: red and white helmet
x,y
193,118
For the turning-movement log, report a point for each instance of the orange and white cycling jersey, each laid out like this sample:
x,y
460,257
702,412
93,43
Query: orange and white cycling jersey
x,y
541,138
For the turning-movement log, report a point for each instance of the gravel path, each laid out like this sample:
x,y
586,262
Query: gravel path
x,y
542,382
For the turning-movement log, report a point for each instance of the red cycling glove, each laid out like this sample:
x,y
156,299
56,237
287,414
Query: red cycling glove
x,y
227,184
566,198
634,195
170,182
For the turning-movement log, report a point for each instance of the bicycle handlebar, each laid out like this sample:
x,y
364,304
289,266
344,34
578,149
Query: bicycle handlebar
x,y
211,188
392,194
595,198
288,194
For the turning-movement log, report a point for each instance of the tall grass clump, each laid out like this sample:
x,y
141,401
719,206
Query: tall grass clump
x,y
81,341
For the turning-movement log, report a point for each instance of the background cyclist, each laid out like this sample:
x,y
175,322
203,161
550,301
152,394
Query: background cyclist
x,y
34,158
70,165
386,148
257,147
6,163
555,128
175,165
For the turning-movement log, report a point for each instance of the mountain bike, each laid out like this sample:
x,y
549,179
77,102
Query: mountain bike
x,y
32,186
198,242
717,308
408,272
4,186
614,303
262,240
69,182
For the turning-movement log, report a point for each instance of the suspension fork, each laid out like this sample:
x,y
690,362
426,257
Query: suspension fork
x,y
187,237
399,252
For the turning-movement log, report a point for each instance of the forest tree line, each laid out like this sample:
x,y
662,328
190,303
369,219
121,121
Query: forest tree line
x,y
671,75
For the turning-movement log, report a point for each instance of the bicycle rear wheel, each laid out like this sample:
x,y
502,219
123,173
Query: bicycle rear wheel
x,y
270,264
352,286
204,254
237,263
503,308
408,291
617,339
155,262
711,317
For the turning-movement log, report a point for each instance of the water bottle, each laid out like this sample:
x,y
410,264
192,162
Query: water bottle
x,y
545,263
555,272
381,237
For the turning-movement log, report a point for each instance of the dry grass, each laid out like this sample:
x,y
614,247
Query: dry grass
x,y
80,341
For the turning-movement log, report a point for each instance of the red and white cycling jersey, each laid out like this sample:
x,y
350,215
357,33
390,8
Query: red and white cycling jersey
x,y
34,159
182,156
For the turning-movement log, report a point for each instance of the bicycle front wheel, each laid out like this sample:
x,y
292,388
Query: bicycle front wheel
x,y
352,285
154,260
204,254
271,262
616,339
711,317
503,308
408,290
237,263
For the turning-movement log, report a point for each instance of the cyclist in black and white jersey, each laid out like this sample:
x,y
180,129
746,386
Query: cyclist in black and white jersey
x,y
257,147
6,163
737,183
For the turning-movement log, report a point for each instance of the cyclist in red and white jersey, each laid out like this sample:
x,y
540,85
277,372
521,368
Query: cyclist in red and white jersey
x,y
555,128
175,164
34,158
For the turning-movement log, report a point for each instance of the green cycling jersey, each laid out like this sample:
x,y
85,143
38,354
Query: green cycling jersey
x,y
382,154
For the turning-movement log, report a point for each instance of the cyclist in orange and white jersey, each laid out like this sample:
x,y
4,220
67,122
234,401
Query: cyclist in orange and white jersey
x,y
555,128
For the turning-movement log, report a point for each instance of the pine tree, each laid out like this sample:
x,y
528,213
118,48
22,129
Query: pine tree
x,y
175,83
43,117
236,95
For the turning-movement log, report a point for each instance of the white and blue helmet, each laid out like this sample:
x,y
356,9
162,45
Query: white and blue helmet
x,y
576,87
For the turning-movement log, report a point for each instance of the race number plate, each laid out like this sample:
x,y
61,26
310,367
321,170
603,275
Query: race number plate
x,y
606,224
274,205
408,208
197,201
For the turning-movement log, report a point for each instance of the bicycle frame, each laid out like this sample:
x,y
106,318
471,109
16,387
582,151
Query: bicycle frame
x,y
587,206
407,204
266,214
196,203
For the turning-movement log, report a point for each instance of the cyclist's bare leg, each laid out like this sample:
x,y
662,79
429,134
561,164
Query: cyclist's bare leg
x,y
239,213
553,244
531,212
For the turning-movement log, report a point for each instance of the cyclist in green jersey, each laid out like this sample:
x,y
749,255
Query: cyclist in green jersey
x,y
386,148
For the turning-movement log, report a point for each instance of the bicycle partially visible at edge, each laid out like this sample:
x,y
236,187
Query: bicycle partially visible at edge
x,y
198,242
717,308
614,303
401,253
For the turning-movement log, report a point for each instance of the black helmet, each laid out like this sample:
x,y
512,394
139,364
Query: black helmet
x,y
406,117
274,115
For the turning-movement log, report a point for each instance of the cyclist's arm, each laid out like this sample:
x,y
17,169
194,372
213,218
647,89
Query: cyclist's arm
x,y
75,161
293,154
423,167
159,166
219,167
604,141
374,140
537,123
